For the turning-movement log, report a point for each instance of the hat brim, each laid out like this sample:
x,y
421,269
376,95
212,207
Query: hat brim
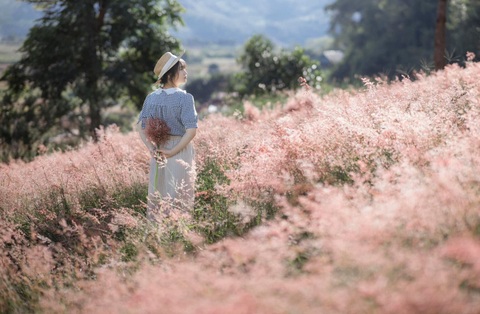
x,y
172,63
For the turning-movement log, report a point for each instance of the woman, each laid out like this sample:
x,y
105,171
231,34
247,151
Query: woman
x,y
173,180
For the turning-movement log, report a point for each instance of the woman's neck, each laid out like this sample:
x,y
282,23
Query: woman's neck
x,y
166,86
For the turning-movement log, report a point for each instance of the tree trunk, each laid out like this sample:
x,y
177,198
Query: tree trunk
x,y
94,65
440,36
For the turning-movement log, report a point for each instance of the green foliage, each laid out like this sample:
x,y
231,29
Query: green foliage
x,y
296,264
173,240
211,214
378,36
463,23
122,116
396,37
129,252
305,251
266,70
339,175
18,296
80,58
132,197
126,196
205,88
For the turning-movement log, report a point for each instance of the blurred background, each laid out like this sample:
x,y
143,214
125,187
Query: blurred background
x,y
66,68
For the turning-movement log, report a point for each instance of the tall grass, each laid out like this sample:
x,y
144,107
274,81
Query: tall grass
x,y
353,202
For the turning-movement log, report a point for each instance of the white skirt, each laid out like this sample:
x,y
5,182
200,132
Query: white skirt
x,y
172,183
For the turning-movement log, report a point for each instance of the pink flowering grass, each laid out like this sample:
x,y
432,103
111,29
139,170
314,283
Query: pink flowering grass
x,y
365,201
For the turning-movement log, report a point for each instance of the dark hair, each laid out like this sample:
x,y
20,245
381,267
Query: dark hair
x,y
170,74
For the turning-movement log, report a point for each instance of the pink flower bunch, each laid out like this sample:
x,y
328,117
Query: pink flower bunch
x,y
470,56
157,131
303,83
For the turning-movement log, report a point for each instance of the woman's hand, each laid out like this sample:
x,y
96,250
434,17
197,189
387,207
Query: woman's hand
x,y
167,152
186,138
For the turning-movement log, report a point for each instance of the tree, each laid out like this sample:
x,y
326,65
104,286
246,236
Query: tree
x,y
80,58
394,37
382,36
266,69
440,36
463,28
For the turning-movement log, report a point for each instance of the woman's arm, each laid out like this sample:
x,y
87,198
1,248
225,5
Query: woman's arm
x,y
186,138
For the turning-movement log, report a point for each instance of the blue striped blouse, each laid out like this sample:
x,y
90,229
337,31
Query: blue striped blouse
x,y
175,106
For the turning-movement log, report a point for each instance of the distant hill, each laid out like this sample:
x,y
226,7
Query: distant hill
x,y
16,18
286,22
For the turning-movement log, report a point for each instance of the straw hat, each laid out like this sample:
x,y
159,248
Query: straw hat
x,y
165,63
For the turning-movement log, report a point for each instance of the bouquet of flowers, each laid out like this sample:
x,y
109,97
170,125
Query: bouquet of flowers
x,y
157,132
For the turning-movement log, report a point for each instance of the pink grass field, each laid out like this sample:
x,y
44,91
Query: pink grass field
x,y
378,192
